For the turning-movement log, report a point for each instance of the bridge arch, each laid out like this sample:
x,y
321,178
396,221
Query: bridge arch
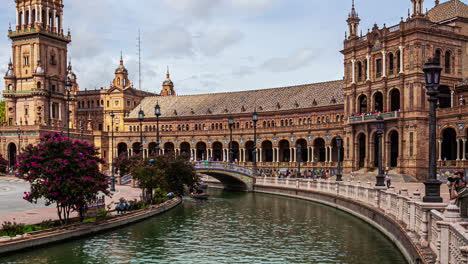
x,y
232,176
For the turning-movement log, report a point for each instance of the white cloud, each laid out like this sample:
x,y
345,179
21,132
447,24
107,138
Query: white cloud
x,y
170,41
296,60
251,5
217,38
197,8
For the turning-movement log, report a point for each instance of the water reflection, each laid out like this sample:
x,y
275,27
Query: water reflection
x,y
231,228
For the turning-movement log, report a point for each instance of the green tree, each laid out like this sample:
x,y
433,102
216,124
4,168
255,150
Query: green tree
x,y
63,172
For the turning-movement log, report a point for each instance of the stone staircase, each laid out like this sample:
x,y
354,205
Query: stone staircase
x,y
364,175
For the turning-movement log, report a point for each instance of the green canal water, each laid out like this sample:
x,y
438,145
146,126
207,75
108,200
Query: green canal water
x,y
230,228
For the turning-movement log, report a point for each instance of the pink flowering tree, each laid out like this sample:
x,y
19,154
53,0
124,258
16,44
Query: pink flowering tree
x,y
64,172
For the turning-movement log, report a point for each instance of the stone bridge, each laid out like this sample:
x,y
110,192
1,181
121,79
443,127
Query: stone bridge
x,y
232,176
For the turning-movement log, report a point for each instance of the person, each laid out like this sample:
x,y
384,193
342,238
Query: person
x,y
460,193
388,178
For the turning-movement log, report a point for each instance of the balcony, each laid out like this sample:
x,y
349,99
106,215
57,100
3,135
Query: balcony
x,y
370,117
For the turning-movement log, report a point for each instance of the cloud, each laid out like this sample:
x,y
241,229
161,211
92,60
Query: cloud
x,y
243,71
251,5
196,8
217,38
296,60
171,41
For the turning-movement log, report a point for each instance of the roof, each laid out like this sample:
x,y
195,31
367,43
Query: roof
x,y
448,10
266,100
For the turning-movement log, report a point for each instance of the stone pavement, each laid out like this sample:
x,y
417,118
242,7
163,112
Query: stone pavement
x,y
50,213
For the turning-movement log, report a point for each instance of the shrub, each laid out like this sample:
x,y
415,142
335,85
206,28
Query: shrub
x,y
12,228
102,214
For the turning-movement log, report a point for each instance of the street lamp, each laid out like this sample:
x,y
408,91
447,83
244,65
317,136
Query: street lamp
x,y
380,177
339,145
112,189
432,71
68,85
255,120
141,117
231,124
157,113
299,159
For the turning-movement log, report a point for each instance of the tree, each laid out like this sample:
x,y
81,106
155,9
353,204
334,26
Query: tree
x,y
171,174
3,164
122,163
63,172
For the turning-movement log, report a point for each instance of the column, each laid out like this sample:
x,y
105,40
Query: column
x,y
353,70
384,68
48,17
22,16
326,154
330,153
368,57
260,155
440,149
312,154
60,21
60,111
29,15
54,13
40,14
401,59
464,149
36,12
458,149
17,18
51,109
276,155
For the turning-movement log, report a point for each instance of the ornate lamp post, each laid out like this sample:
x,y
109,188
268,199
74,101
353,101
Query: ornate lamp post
x,y
112,189
432,71
141,117
255,120
380,177
68,85
157,113
231,124
299,159
339,145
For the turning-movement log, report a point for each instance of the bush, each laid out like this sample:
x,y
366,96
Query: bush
x,y
102,214
12,228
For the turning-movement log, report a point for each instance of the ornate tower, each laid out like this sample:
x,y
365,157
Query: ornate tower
x,y
168,86
418,7
353,23
121,76
35,82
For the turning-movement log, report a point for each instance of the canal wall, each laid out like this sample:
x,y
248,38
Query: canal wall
x,y
424,232
44,237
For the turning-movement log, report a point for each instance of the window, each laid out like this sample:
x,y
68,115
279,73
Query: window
x,y
107,103
437,55
359,71
411,142
10,87
118,81
398,59
391,63
116,102
116,129
128,102
100,127
378,68
38,85
26,60
52,59
411,99
447,62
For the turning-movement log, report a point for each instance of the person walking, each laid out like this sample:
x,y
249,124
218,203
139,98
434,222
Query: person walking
x,y
388,178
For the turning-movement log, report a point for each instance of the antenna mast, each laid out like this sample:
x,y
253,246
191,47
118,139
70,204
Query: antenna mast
x,y
139,60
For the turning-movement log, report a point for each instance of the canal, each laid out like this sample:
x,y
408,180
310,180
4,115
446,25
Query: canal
x,y
230,228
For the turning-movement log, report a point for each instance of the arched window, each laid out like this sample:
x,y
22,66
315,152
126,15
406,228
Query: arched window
x,y
448,62
378,102
391,63
437,55
395,100
362,104
118,81
398,55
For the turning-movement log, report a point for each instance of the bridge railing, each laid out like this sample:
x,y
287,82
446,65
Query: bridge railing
x,y
224,166
437,226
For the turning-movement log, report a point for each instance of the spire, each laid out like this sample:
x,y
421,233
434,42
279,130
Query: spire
x,y
168,75
69,65
121,58
353,13
10,71
353,22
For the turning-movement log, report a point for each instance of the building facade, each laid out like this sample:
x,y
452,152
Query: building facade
x,y
297,124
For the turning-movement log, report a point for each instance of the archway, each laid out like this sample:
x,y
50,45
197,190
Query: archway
x,y
394,149
362,104
235,151
12,153
185,148
217,151
395,100
121,148
378,102
376,150
136,148
152,149
449,144
249,147
267,151
201,151
319,149
284,152
169,148
304,152
334,156
361,150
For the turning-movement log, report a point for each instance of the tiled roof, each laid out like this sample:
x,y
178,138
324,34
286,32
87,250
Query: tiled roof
x,y
448,10
275,99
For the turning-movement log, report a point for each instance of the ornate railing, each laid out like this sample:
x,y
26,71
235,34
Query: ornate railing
x,y
219,165
435,226
373,116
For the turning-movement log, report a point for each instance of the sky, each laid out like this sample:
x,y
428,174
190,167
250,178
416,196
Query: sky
x,y
210,45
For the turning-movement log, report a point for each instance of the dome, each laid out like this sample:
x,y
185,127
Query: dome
x,y
168,81
10,71
121,68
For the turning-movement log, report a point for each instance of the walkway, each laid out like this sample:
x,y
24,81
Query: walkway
x,y
50,213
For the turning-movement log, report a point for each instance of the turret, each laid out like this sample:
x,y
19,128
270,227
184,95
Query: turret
x,y
168,86
353,23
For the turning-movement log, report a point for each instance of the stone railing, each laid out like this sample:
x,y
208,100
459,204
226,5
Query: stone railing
x,y
223,166
433,226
